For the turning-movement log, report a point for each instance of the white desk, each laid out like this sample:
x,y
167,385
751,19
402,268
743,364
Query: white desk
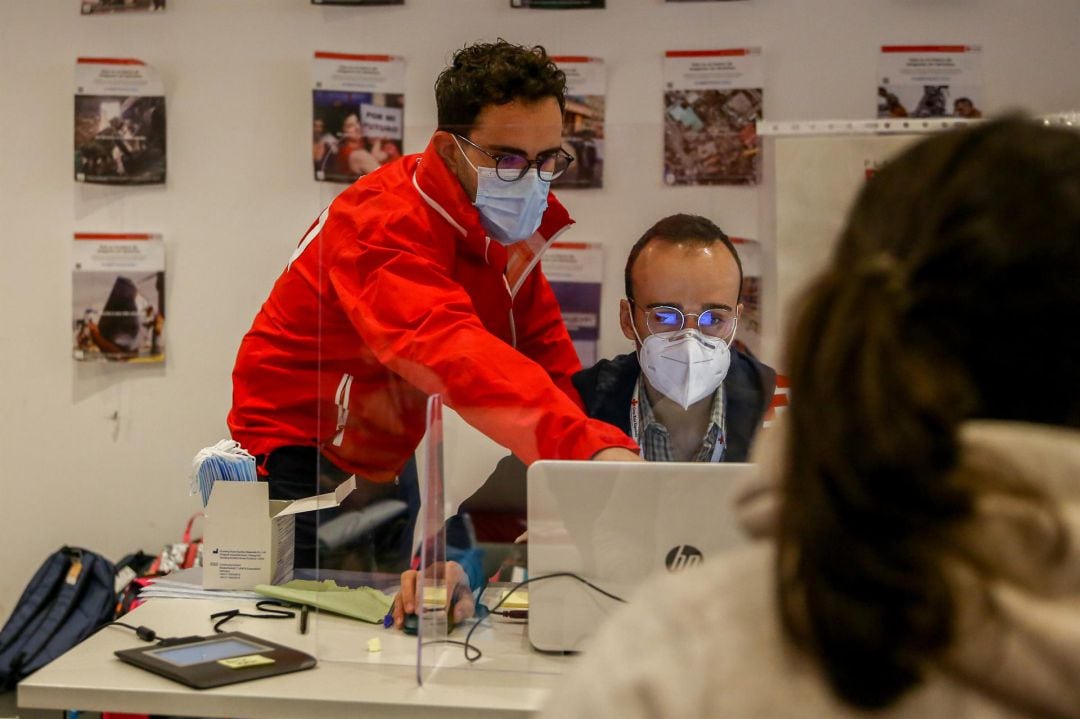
x,y
511,680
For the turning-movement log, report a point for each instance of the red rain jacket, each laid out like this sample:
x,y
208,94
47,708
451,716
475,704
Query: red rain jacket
x,y
396,293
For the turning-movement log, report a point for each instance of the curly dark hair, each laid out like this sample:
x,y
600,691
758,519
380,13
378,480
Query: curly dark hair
x,y
494,74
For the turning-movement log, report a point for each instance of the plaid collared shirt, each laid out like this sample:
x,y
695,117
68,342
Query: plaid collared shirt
x,y
655,440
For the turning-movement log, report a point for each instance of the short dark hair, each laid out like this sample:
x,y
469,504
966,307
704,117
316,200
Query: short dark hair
x,y
494,74
949,297
680,228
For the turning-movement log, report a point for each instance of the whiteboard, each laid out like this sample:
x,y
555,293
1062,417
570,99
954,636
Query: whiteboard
x,y
809,183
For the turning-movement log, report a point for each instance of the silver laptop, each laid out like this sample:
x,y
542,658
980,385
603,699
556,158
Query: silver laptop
x,y
615,524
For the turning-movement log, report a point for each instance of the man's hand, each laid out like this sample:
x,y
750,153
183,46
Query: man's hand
x,y
616,454
459,598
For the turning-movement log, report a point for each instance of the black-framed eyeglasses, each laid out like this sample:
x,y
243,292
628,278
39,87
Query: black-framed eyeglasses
x,y
717,322
511,166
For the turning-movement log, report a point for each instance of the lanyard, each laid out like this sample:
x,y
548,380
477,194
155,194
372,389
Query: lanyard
x,y
635,419
636,429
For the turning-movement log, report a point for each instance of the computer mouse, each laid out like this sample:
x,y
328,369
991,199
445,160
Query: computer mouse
x,y
412,624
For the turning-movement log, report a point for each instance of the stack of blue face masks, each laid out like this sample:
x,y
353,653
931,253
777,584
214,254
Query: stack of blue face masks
x,y
226,461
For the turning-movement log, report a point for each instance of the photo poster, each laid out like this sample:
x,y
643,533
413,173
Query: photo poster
x,y
583,121
119,122
575,271
558,4
748,333
101,7
118,297
358,121
930,81
357,2
712,102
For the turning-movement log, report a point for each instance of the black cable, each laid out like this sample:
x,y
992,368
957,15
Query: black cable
x,y
224,617
149,635
122,624
468,636
145,633
272,610
457,642
571,575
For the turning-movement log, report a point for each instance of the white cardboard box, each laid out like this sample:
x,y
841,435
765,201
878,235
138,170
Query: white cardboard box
x,y
248,538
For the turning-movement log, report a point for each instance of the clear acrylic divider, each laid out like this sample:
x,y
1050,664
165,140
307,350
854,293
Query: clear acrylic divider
x,y
361,536
434,588
482,531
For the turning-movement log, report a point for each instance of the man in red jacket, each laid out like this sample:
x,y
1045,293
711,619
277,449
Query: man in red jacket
x,y
423,278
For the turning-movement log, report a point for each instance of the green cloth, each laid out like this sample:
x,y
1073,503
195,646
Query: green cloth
x,y
364,603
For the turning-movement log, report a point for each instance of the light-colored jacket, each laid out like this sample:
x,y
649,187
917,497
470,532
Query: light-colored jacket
x,y
708,643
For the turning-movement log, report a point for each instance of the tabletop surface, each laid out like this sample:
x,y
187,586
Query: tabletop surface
x,y
510,680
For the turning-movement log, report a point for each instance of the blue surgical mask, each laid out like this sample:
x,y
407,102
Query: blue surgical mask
x,y
510,211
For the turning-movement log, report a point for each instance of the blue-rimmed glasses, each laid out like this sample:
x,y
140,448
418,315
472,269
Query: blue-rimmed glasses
x,y
511,166
716,322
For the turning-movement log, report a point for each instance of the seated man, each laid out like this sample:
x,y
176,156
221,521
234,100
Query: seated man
x,y
687,394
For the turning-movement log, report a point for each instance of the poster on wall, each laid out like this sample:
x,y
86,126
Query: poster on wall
x,y
930,81
871,166
119,122
358,123
118,298
98,7
712,102
748,332
576,272
558,4
357,2
583,121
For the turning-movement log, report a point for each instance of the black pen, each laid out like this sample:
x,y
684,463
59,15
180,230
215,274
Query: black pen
x,y
303,618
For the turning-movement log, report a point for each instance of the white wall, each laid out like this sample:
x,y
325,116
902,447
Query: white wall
x,y
239,194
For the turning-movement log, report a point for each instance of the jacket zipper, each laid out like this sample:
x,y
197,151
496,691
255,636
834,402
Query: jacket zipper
x,y
510,312
341,399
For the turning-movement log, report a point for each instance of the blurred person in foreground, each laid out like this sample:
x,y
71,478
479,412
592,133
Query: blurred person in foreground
x,y
925,558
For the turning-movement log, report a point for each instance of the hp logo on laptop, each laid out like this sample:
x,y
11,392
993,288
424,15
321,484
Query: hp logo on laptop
x,y
682,557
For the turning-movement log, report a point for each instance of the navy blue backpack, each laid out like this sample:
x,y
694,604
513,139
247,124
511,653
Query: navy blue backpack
x,y
68,599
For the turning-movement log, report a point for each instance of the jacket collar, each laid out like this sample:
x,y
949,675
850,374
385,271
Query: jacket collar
x,y
440,190
607,387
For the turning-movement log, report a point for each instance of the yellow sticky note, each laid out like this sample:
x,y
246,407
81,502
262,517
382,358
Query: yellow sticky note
x,y
434,596
517,600
251,660
374,645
